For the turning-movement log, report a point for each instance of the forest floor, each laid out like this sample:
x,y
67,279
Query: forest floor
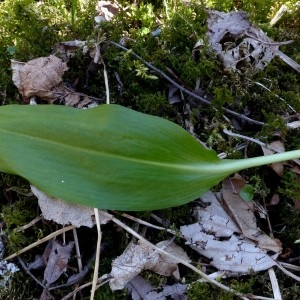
x,y
230,78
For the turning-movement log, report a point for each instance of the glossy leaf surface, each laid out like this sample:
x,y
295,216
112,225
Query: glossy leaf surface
x,y
109,157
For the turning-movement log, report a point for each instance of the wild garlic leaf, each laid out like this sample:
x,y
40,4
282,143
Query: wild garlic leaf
x,y
111,157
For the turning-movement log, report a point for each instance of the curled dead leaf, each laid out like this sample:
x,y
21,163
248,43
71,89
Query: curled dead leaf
x,y
243,214
41,77
139,257
238,43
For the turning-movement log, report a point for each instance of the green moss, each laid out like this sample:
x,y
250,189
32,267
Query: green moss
x,y
204,291
289,186
18,214
222,96
260,189
104,293
17,291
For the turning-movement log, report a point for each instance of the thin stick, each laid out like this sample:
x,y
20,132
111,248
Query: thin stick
x,y
103,278
29,273
106,84
26,226
45,239
142,222
244,137
274,284
98,250
288,273
203,100
97,260
230,133
79,261
98,57
166,9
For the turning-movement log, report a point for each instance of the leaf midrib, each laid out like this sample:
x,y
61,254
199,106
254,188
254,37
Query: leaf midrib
x,y
200,167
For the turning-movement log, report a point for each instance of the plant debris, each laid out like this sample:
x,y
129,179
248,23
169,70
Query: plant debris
x,y
239,246
256,50
139,257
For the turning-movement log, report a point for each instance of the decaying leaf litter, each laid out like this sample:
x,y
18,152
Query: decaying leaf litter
x,y
247,246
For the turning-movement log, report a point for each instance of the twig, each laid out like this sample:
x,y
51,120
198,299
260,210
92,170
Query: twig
x,y
230,133
98,249
166,9
26,226
29,273
279,14
105,279
274,284
290,266
265,212
45,239
97,259
142,222
270,43
165,76
247,138
288,273
78,255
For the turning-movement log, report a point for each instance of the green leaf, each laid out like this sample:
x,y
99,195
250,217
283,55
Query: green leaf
x,y
247,192
111,157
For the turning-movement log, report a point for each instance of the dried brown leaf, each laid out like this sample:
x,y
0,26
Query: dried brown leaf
x,y
41,77
107,10
238,43
217,237
46,295
38,263
138,287
139,257
242,212
167,266
57,262
141,289
213,219
72,99
134,259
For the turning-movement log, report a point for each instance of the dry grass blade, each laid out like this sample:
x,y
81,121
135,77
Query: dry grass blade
x,y
274,284
97,261
45,239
